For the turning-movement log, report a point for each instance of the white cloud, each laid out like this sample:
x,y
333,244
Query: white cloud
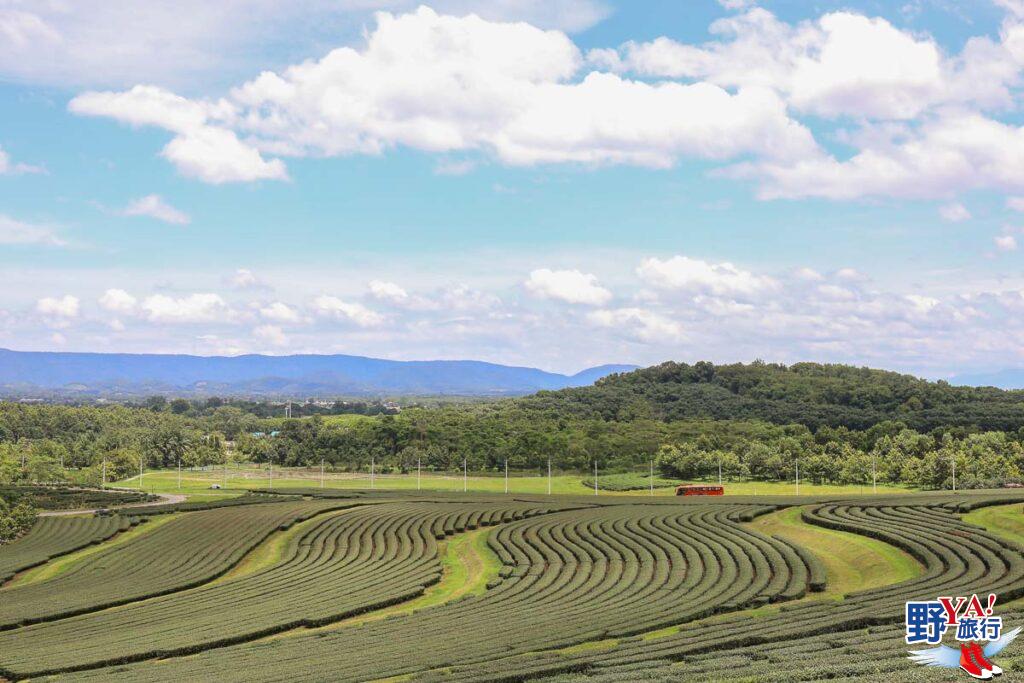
x,y
570,286
1006,243
839,65
154,206
13,231
947,154
388,291
333,307
118,301
195,308
58,309
1015,203
199,149
244,278
954,213
215,155
639,323
271,334
682,272
8,167
809,274
111,42
456,84
280,312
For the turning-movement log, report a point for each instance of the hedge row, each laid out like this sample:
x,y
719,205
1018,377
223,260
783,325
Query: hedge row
x,y
339,566
569,577
183,552
52,537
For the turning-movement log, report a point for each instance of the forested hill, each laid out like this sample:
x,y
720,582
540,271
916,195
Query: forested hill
x,y
805,393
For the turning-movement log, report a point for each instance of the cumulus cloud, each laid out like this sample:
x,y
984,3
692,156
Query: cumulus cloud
x,y
195,308
110,42
333,307
447,84
1015,203
200,148
154,206
271,334
8,167
570,286
13,231
922,122
243,278
280,312
118,301
642,324
685,273
388,291
58,307
954,213
1006,243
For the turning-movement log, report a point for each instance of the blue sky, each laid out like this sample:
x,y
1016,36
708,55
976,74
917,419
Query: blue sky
x,y
557,184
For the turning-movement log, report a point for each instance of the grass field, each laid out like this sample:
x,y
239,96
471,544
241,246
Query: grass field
x,y
196,484
852,562
393,585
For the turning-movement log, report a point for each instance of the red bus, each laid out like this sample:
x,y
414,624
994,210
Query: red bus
x,y
699,490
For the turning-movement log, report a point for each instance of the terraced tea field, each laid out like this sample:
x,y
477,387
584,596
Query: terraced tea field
x,y
329,585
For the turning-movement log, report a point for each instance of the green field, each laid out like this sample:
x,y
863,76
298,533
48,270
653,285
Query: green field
x,y
197,484
303,583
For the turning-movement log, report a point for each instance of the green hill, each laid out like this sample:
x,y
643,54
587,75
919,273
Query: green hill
x,y
811,394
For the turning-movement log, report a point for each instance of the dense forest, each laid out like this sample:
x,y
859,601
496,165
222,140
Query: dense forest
x,y
843,425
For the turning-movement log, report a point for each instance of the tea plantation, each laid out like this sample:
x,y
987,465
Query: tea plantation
x,y
365,586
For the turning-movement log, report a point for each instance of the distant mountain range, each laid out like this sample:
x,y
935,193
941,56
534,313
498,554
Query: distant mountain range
x,y
30,373
1004,379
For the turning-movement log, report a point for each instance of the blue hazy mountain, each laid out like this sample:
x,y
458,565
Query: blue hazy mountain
x,y
1004,379
113,374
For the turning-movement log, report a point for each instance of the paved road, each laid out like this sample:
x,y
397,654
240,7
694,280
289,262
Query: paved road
x,y
163,499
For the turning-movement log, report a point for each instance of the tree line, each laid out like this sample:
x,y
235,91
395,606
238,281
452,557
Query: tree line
x,y
841,424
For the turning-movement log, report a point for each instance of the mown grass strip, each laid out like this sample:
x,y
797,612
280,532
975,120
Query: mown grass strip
x,y
1005,522
467,566
59,565
273,549
852,562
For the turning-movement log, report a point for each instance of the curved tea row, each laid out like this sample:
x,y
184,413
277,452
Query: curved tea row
x,y
342,565
569,577
957,558
52,537
185,551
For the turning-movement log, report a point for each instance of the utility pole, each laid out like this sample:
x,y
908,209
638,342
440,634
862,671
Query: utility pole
x,y
179,472
874,476
652,477
225,483
465,483
104,480
321,472
372,463
595,476
549,475
271,459
417,473
719,470
140,473
798,476
506,476
953,458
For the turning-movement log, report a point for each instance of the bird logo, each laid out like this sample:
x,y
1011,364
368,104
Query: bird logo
x,y
973,659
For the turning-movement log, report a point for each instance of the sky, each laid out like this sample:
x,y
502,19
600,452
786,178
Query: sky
x,y
556,183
